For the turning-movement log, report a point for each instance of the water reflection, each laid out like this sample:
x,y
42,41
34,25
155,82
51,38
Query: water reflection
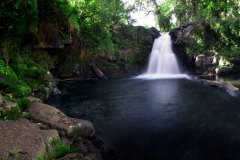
x,y
157,119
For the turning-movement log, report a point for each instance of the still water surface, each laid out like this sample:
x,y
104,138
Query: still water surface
x,y
165,119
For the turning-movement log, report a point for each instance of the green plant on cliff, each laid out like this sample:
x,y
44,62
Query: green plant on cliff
x,y
11,83
222,22
13,113
221,33
95,20
18,17
56,149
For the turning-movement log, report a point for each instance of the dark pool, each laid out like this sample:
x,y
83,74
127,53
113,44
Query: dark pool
x,y
157,119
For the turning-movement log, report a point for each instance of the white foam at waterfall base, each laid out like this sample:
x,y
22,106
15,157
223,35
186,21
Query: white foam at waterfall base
x,y
163,62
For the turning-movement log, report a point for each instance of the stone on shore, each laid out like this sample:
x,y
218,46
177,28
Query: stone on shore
x,y
54,118
33,99
23,139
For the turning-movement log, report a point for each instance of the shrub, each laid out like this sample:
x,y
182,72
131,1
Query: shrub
x,y
23,103
13,113
56,149
21,91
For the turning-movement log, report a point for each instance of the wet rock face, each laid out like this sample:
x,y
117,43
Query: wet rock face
x,y
23,139
134,44
87,149
54,118
73,156
182,36
154,32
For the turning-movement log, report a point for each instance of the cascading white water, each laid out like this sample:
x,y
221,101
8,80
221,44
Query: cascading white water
x,y
163,62
162,59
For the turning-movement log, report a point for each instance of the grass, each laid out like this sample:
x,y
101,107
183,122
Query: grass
x,y
13,154
56,149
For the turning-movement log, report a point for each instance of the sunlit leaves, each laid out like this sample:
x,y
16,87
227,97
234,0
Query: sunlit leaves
x,y
95,19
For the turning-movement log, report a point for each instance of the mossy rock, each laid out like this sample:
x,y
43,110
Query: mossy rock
x,y
42,58
7,76
22,91
10,82
33,72
10,110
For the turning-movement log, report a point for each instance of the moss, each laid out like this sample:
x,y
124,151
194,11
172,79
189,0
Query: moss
x,y
7,98
10,83
40,158
33,72
13,113
21,68
27,115
56,149
1,62
22,91
42,58
24,103
10,48
13,154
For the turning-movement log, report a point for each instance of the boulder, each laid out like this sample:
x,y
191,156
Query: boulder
x,y
23,139
54,118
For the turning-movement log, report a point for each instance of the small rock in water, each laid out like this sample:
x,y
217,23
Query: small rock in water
x,y
56,91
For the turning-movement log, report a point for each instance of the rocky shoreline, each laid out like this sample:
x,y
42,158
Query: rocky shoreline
x,y
33,138
222,86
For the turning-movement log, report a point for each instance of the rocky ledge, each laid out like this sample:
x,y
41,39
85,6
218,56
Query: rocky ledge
x,y
50,134
224,86
24,139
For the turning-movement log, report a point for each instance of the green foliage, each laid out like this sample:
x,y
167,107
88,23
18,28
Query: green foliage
x,y
22,91
12,113
19,74
13,154
10,82
164,15
27,115
14,108
95,20
23,103
56,149
18,17
221,33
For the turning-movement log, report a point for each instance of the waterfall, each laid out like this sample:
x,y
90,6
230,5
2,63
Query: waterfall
x,y
163,62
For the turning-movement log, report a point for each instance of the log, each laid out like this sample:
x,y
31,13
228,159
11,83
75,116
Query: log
x,y
97,71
